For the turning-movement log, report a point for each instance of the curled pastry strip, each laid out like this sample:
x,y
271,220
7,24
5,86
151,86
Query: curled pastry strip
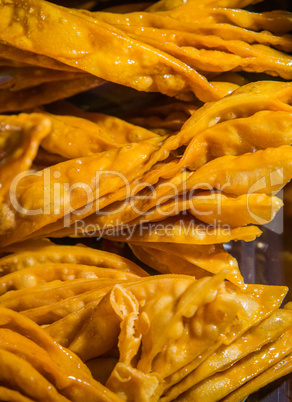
x,y
278,21
170,116
152,70
262,172
185,230
31,277
12,54
32,253
216,208
45,93
280,369
52,292
20,137
269,355
50,371
169,4
75,137
10,395
20,78
169,21
262,130
256,337
186,259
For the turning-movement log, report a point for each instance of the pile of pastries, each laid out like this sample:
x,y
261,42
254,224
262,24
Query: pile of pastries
x,y
175,180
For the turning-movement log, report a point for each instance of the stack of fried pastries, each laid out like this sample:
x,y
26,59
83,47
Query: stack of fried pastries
x,y
146,338
176,181
177,48
96,175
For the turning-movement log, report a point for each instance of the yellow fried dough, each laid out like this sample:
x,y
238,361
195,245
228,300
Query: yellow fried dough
x,y
50,293
282,368
66,310
45,93
31,277
37,357
244,102
172,77
72,378
257,305
220,385
15,55
265,332
163,200
173,315
17,79
216,208
75,312
176,191
18,373
180,40
189,303
256,310
126,380
68,134
170,116
20,137
105,133
264,172
66,329
56,315
166,260
31,254
210,258
261,96
99,334
164,263
130,210
182,229
97,175
120,131
169,4
278,22
256,58
199,303
262,130
8,394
